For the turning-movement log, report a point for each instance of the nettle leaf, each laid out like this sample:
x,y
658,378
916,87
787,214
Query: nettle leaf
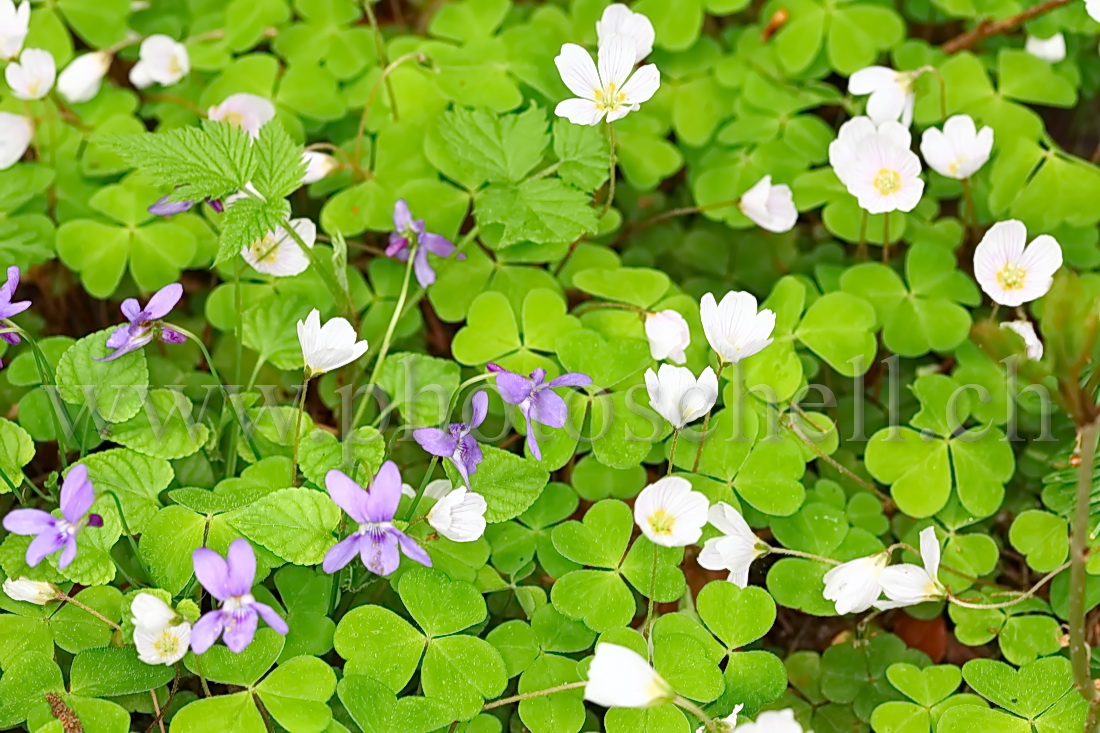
x,y
279,164
247,220
583,155
542,211
494,148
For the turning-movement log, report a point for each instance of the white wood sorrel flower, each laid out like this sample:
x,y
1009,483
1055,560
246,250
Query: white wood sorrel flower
x,y
735,549
246,111
81,79
676,394
670,513
959,150
891,93
278,254
668,335
160,635
16,133
620,678
1052,50
733,327
459,516
30,591
1033,346
855,586
844,151
14,23
769,206
33,76
908,584
608,90
1011,273
161,60
318,166
884,176
328,347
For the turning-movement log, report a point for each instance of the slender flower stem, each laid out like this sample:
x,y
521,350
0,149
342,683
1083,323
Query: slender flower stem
x,y
886,238
298,428
971,210
238,337
125,526
672,451
650,617
806,555
156,709
611,181
864,483
66,598
388,337
384,79
49,381
1078,554
698,712
347,308
943,87
380,48
1015,601
7,481
537,693
706,419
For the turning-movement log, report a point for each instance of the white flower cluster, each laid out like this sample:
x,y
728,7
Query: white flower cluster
x,y
160,634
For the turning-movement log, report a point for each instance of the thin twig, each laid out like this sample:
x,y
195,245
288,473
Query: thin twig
x,y
986,28
528,695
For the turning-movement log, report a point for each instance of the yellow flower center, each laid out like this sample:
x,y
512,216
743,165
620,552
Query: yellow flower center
x,y
661,522
174,66
609,98
32,88
1012,276
887,181
954,167
236,119
167,644
263,250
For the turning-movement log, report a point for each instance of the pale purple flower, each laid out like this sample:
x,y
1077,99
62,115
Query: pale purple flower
x,y
230,581
164,207
376,540
77,497
145,324
409,234
456,442
536,398
8,308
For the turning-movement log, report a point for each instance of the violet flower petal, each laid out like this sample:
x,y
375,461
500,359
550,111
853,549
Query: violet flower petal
x,y
548,408
163,301
341,554
402,217
172,336
206,631
396,245
384,494
68,554
43,545
480,404
532,441
435,441
571,379
131,308
164,207
212,572
412,550
348,495
437,244
240,628
11,338
77,494
241,566
425,275
513,388
379,553
29,521
271,617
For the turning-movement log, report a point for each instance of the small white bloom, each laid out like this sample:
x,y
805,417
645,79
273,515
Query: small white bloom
x,y
246,111
609,91
844,151
733,327
166,646
1010,273
885,177
161,60
459,516
618,19
33,76
620,678
16,133
668,335
908,584
150,614
434,490
1092,7
892,96
1025,330
14,22
329,347
30,591
959,150
726,724
855,586
278,254
678,396
772,721
318,165
735,549
771,207
670,513
81,79
1052,50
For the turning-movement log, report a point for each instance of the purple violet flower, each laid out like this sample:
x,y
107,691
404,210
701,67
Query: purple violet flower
x,y
145,325
77,497
164,207
409,234
376,540
536,398
8,308
456,442
230,581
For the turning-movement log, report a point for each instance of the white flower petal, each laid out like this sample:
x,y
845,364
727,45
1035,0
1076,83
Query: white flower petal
x,y
642,85
619,677
670,513
577,71
619,19
615,59
579,111
16,133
